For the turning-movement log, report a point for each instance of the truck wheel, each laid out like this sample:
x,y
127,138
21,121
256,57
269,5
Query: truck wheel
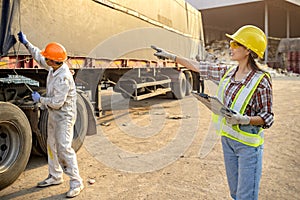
x,y
170,95
125,87
80,127
179,87
81,124
125,95
15,143
189,82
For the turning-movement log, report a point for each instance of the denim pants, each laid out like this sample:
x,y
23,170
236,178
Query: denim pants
x,y
243,166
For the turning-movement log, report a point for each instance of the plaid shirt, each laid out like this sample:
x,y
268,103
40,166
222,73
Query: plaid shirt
x,y
261,101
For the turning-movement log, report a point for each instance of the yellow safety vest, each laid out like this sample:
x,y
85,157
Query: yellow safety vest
x,y
239,104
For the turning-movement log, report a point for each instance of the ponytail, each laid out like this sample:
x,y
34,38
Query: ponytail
x,y
253,63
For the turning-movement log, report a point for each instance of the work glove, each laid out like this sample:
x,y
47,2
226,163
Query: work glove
x,y
35,96
162,54
22,38
237,118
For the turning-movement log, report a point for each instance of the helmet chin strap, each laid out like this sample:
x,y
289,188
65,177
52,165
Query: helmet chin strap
x,y
56,66
59,63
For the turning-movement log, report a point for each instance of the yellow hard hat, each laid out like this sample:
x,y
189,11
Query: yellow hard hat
x,y
252,38
55,51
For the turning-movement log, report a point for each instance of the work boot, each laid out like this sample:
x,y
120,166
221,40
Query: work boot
x,y
50,181
75,191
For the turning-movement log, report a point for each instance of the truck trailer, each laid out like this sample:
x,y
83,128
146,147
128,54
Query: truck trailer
x,y
108,44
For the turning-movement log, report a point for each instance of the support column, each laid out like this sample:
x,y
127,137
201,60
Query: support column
x,y
266,29
98,101
287,23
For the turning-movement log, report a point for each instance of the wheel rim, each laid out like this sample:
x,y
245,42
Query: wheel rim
x,y
9,144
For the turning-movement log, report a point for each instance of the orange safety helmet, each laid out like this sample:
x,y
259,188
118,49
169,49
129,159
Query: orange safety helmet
x,y
55,51
252,38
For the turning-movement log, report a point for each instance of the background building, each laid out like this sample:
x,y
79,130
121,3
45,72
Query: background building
x,y
279,19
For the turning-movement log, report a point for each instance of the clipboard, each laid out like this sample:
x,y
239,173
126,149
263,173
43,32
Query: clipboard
x,y
214,104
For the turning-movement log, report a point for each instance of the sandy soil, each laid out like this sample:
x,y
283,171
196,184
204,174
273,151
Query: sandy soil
x,y
150,150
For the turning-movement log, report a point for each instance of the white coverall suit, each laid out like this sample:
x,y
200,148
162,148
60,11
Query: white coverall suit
x,y
61,103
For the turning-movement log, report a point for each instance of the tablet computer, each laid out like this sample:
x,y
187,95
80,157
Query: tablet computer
x,y
214,104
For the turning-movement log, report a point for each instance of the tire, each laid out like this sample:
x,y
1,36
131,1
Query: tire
x,y
170,95
92,122
179,87
42,138
15,143
125,87
125,95
81,124
189,82
80,127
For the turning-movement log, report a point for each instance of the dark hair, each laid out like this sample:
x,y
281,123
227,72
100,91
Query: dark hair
x,y
252,62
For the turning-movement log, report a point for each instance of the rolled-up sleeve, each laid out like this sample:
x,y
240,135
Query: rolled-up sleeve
x,y
213,72
264,99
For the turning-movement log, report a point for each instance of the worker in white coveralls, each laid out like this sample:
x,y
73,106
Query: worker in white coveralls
x,y
247,90
60,101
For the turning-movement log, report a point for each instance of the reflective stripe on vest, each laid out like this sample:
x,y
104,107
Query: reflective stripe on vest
x,y
240,103
249,139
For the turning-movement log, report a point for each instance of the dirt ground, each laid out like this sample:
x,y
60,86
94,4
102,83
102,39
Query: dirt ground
x,y
151,150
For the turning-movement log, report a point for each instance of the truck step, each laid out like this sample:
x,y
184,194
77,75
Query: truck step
x,y
152,94
147,84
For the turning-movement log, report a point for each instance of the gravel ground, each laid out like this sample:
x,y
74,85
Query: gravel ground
x,y
151,150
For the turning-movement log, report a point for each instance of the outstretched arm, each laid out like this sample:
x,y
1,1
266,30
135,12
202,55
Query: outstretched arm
x,y
188,63
162,54
33,50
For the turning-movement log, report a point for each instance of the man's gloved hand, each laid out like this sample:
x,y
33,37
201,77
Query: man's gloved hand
x,y
237,119
35,96
22,38
162,54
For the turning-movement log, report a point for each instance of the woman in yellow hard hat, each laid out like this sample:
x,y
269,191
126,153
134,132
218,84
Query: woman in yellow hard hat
x,y
247,90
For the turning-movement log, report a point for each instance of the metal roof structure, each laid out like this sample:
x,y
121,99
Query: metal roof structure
x,y
277,18
208,4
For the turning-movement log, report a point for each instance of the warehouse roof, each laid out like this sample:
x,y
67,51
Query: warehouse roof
x,y
226,16
208,4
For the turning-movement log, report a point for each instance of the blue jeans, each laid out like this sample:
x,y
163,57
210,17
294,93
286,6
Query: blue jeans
x,y
243,166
